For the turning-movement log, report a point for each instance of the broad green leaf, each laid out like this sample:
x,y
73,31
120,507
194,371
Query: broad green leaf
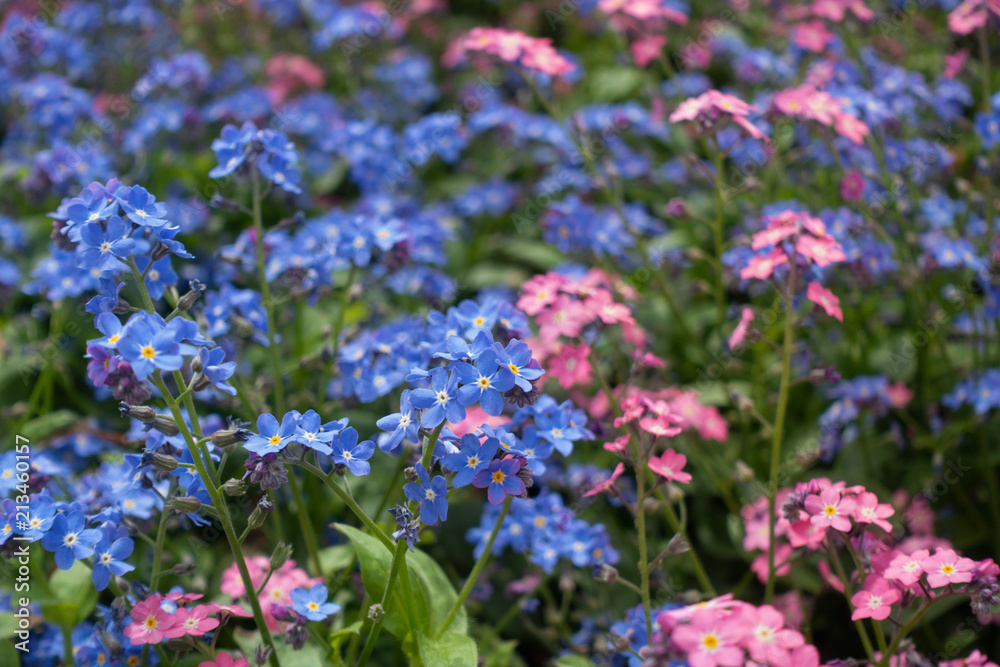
x,y
574,661
444,595
309,656
502,654
336,558
450,650
340,636
9,655
72,596
42,427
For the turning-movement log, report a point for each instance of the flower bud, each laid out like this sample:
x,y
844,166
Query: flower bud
x,y
260,513
280,555
164,426
376,612
807,458
221,203
677,545
143,413
196,290
742,472
164,462
261,654
605,573
184,504
159,252
184,569
234,488
230,436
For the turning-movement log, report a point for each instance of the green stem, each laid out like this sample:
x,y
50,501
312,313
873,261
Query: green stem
x,y
675,525
779,425
398,560
161,535
862,633
476,570
304,523
640,526
224,518
717,234
905,630
265,291
428,454
67,637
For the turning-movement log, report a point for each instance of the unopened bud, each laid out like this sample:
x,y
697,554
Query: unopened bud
x,y
280,556
605,573
743,403
164,426
196,290
230,436
123,307
742,472
677,545
260,513
807,458
143,413
261,654
234,488
109,642
376,612
159,252
184,504
674,494
221,203
164,462
184,569
620,642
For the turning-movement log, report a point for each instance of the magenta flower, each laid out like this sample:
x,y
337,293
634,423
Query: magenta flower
x,y
711,641
868,510
907,569
825,299
769,641
225,660
150,622
830,509
608,483
670,464
709,106
875,601
946,567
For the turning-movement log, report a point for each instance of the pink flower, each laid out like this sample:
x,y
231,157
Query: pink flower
x,y
662,425
853,185
762,266
608,483
642,10
829,508
670,465
149,622
761,567
975,659
571,366
708,104
812,36
768,641
566,317
899,396
968,16
225,660
875,600
852,128
868,510
710,641
906,569
946,567
740,332
511,46
539,293
806,534
955,63
234,609
620,444
192,621
772,235
647,49
825,299
824,250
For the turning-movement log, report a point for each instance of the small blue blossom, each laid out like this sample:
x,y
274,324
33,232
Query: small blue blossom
x,y
101,249
348,452
440,402
70,539
431,494
272,438
312,603
483,383
470,459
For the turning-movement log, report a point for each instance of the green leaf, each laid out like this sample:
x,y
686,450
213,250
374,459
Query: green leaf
x,y
72,596
502,654
9,655
336,558
340,636
433,591
42,427
450,650
574,661
309,656
612,84
376,561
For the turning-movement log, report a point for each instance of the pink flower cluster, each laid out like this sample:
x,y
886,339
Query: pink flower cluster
x,y
510,46
643,10
808,239
278,590
972,14
161,617
729,633
811,104
709,107
670,411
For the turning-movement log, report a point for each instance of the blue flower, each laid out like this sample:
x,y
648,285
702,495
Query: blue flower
x,y
458,348
500,480
109,557
70,539
472,458
311,434
141,207
347,451
403,424
107,297
100,248
148,346
232,147
431,494
484,382
281,172
158,277
440,401
988,128
272,438
516,358
216,370
312,604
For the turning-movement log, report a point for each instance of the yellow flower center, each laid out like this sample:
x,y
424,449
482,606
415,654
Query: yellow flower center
x,y
498,476
148,352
